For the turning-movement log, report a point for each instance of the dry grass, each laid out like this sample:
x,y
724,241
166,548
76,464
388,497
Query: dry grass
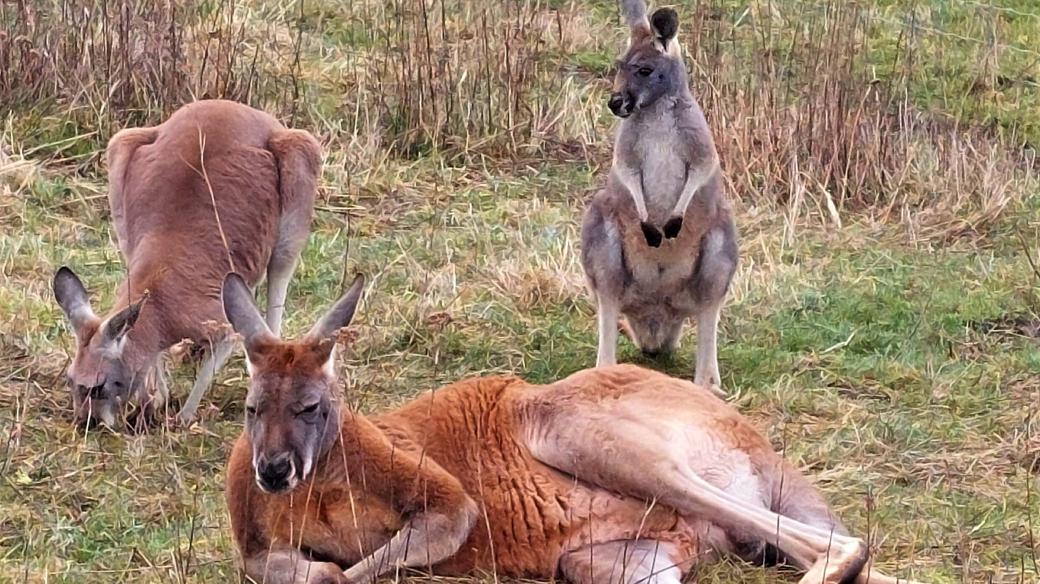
x,y
882,327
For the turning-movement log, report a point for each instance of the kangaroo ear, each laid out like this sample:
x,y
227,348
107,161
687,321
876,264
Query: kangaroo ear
x,y
117,325
341,313
73,300
241,312
665,24
634,12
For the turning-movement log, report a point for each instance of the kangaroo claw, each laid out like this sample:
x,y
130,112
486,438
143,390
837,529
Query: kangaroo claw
x,y
673,227
651,233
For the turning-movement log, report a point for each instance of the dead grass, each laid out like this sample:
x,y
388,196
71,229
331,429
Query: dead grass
x,y
886,190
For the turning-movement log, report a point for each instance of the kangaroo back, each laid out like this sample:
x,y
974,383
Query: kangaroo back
x,y
218,187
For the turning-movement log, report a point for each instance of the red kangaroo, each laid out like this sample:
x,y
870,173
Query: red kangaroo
x,y
616,475
218,187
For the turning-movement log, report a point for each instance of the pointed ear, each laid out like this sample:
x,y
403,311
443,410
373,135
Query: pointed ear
x,y
241,312
634,12
117,325
665,24
73,299
323,350
340,314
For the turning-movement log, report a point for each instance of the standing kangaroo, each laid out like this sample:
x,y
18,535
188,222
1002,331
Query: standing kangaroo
x,y
615,475
218,187
658,242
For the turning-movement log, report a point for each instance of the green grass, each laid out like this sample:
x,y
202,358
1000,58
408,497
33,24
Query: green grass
x,y
899,366
980,61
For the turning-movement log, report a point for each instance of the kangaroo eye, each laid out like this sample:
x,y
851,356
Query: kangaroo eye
x,y
250,411
309,409
645,72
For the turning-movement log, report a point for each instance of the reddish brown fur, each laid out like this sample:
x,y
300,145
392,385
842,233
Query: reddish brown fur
x,y
619,475
163,181
162,211
473,440
468,436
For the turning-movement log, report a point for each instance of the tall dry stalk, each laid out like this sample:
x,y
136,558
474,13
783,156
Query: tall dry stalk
x,y
104,63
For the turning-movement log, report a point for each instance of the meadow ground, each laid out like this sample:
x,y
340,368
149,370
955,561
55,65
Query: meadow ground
x,y
883,327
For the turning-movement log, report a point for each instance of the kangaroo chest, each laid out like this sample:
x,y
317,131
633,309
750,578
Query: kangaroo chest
x,y
663,168
338,524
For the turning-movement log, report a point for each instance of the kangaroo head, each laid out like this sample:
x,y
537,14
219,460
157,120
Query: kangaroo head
x,y
100,377
652,67
292,409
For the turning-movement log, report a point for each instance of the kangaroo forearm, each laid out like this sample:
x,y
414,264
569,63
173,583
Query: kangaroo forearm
x,y
429,538
289,566
695,179
632,181
400,465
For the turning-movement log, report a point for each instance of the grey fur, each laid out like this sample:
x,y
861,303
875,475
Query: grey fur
x,y
634,12
659,244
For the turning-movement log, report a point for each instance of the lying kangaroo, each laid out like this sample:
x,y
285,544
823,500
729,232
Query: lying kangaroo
x,y
665,173
219,186
614,475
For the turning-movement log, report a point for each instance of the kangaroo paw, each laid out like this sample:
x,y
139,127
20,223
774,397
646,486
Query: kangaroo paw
x,y
651,233
673,227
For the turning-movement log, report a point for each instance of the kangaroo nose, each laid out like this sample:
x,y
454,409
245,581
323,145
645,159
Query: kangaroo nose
x,y
274,474
616,102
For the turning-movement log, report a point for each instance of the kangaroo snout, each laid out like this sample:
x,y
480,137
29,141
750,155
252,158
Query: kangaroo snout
x,y
620,104
94,412
276,474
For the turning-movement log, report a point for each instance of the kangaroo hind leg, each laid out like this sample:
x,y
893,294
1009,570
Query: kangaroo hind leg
x,y
716,265
216,355
637,457
603,259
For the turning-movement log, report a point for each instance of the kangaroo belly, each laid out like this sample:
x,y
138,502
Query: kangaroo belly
x,y
604,516
529,512
659,277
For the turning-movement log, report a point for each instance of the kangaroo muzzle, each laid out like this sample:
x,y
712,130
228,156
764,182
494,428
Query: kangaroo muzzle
x,y
93,412
276,474
621,104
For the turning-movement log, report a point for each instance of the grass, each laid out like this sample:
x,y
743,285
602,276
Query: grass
x,y
882,328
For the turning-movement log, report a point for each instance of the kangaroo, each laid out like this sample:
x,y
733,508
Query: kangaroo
x,y
614,475
658,243
217,187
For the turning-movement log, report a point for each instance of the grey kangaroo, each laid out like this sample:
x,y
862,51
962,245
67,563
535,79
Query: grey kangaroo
x,y
658,242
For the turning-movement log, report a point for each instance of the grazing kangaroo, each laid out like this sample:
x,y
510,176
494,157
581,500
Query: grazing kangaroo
x,y
217,187
665,173
615,475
